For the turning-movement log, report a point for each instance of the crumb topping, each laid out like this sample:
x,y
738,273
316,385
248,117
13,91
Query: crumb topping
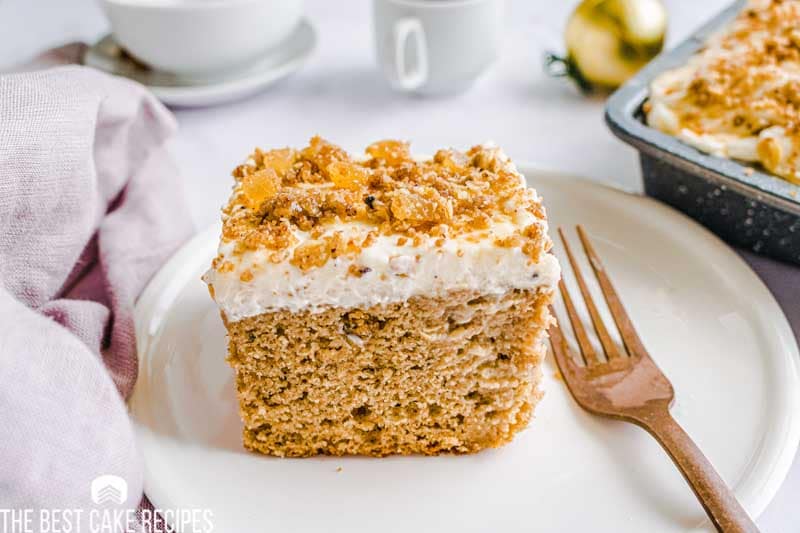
x,y
745,81
749,84
278,193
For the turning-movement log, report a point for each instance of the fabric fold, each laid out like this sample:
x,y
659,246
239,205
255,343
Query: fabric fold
x,y
90,207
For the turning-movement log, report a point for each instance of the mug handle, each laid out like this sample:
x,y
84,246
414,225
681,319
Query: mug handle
x,y
404,29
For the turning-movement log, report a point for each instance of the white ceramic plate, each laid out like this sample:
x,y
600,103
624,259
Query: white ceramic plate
x,y
180,91
707,319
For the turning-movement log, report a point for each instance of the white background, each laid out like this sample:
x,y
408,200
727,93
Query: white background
x,y
340,95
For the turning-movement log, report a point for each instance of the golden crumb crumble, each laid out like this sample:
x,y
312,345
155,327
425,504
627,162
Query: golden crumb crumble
x,y
747,81
739,97
279,193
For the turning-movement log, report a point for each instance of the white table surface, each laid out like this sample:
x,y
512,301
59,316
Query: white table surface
x,y
340,95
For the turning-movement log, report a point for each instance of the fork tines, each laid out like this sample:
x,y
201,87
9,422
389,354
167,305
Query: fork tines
x,y
630,339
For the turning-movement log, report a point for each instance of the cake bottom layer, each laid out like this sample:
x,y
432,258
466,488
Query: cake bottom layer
x,y
429,375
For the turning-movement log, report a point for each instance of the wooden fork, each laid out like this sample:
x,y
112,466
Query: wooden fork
x,y
630,387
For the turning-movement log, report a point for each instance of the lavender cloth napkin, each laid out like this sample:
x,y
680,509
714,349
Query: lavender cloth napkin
x,y
90,207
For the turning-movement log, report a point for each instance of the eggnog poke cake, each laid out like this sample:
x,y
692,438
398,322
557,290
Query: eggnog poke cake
x,y
383,305
739,96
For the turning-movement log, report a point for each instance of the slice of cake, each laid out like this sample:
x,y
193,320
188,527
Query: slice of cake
x,y
383,305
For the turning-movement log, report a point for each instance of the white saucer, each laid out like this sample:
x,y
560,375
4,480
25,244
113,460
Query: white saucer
x,y
707,319
183,91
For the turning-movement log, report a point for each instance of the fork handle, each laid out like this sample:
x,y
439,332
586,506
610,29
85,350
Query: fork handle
x,y
717,499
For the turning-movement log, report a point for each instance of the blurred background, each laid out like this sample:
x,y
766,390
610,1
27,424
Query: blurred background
x,y
340,94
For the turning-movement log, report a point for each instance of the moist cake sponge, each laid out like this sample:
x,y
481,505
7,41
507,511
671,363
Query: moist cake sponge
x,y
415,330
451,374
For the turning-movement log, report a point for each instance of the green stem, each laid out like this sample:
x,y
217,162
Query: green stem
x,y
564,67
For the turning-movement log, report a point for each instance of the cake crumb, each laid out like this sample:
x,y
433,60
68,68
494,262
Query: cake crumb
x,y
357,271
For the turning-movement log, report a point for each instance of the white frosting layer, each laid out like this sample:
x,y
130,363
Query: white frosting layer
x,y
395,273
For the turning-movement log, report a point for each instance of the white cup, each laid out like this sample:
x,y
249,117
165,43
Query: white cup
x,y
436,46
200,37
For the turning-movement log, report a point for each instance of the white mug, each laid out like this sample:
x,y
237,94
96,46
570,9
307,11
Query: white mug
x,y
436,46
201,37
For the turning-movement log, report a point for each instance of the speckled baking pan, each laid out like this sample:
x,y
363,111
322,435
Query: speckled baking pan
x,y
747,208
